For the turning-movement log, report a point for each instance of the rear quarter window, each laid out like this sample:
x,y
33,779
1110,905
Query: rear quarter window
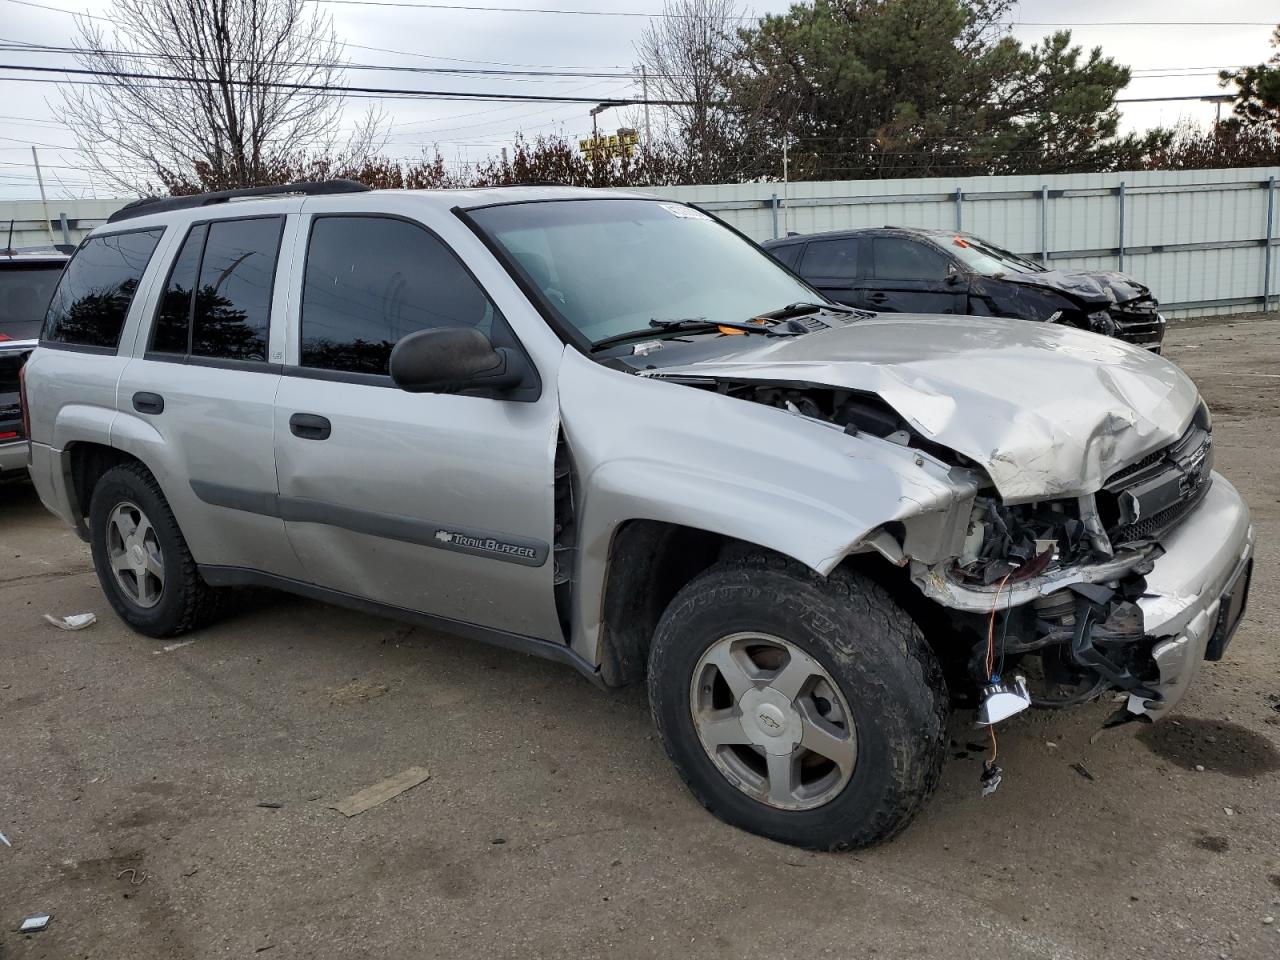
x,y
787,254
93,296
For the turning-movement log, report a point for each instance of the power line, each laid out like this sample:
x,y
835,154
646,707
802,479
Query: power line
x,y
18,46
479,8
563,11
357,46
1119,23
342,90
385,92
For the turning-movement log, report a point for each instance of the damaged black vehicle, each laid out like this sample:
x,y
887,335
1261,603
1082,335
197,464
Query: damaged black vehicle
x,y
907,270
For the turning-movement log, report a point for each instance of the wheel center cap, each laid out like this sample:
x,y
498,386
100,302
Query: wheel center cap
x,y
137,555
771,720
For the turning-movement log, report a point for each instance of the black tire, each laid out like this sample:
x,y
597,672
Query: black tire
x,y
186,601
872,650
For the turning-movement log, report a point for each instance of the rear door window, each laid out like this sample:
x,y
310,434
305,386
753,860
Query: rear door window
x,y
232,312
93,296
371,281
217,301
897,258
831,258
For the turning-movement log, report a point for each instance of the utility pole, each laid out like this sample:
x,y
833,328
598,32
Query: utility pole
x,y
644,92
44,202
595,142
786,212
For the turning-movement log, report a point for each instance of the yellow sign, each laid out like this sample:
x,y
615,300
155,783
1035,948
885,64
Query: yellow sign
x,y
620,144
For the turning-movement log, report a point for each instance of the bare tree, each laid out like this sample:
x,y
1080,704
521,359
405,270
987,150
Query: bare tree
x,y
208,94
686,54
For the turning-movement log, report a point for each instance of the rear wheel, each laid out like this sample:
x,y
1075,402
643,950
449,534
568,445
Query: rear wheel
x,y
141,557
805,709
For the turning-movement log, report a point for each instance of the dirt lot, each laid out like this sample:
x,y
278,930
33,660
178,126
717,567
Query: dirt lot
x,y
133,778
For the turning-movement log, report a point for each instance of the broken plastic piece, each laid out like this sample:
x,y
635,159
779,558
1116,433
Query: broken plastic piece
x,y
35,924
5,840
75,621
1001,700
991,778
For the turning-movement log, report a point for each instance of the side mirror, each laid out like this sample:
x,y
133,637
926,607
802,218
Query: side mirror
x,y
452,359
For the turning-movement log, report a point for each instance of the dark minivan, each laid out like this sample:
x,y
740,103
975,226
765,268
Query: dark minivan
x,y
907,270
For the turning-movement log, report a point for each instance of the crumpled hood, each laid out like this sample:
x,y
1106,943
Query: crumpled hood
x,y
1099,288
1048,411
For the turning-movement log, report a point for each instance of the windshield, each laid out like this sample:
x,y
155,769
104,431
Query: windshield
x,y
609,267
987,259
25,292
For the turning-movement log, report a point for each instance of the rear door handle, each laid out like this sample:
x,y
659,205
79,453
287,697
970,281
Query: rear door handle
x,y
877,297
145,402
310,426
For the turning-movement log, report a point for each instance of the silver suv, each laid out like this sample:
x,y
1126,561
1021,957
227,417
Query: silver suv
x,y
608,430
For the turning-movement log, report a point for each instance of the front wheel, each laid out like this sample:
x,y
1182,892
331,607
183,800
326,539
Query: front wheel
x,y
808,710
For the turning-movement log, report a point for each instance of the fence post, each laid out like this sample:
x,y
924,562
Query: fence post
x,y
1044,226
959,209
774,204
1121,196
66,229
1266,249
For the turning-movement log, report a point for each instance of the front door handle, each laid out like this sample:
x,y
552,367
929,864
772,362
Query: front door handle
x,y
310,426
877,297
145,402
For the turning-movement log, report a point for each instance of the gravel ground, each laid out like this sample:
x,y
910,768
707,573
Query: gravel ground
x,y
134,778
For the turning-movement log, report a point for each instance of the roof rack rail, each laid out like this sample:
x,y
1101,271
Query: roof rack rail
x,y
149,205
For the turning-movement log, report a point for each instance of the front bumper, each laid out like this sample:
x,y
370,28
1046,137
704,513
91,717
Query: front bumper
x,y
1143,328
1202,558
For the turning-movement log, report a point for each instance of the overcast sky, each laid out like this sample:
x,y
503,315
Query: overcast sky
x,y
1169,59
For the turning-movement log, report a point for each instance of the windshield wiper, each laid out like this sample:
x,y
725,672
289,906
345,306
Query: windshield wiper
x,y
691,325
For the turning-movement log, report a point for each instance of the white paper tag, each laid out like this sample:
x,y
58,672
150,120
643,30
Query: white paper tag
x,y
683,212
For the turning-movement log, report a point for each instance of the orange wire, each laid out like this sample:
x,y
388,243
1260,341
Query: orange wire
x,y
991,662
991,627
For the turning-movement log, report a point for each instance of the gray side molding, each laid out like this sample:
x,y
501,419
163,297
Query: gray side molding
x,y
389,526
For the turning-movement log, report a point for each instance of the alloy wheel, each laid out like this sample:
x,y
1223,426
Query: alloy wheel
x,y
773,721
133,550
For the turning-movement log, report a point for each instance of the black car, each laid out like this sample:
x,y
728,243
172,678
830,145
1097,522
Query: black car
x,y
27,279
904,270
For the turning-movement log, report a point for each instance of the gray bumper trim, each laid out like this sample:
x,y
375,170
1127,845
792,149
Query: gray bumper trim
x,y
1202,557
13,457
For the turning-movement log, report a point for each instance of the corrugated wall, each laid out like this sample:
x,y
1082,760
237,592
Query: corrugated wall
x,y
24,220
1215,221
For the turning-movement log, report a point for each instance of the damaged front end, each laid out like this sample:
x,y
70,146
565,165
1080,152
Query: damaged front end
x,y
1076,594
1071,593
1108,303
